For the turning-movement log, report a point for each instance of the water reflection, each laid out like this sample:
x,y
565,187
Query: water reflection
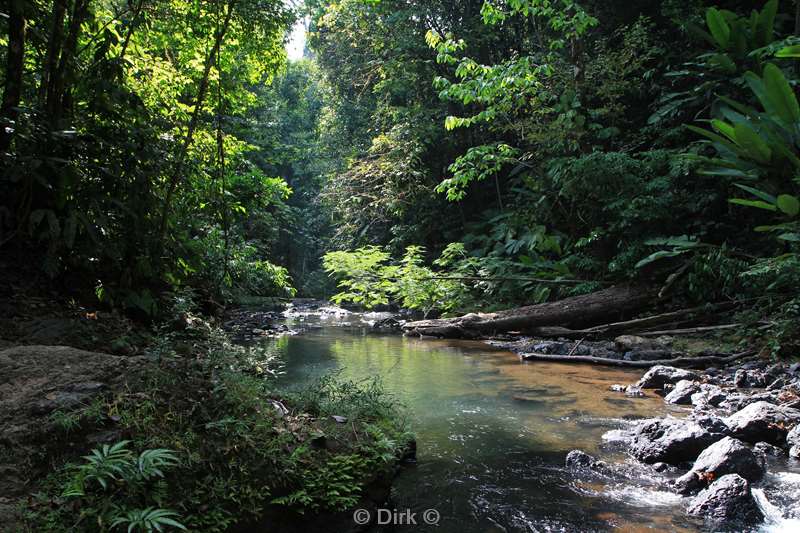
x,y
493,432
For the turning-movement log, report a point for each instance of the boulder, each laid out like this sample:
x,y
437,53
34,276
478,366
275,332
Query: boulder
x,y
647,355
768,450
682,393
793,437
727,503
726,456
633,343
763,421
674,441
578,460
748,379
708,395
793,440
660,375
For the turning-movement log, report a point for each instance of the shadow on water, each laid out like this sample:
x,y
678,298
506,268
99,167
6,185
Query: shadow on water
x,y
493,432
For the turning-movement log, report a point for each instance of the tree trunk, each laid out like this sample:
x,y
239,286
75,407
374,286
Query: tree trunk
x,y
193,123
15,63
576,312
53,51
59,93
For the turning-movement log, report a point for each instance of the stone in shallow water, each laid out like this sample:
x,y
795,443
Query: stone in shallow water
x,y
682,393
726,456
768,450
727,503
660,375
673,441
763,421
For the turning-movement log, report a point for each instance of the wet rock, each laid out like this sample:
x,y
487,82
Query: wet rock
x,y
550,347
727,503
779,383
659,375
749,379
664,468
682,393
578,460
726,456
794,368
673,441
793,437
763,421
708,395
794,452
768,450
617,388
388,324
633,391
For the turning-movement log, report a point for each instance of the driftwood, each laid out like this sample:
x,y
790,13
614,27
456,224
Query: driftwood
x,y
571,313
683,362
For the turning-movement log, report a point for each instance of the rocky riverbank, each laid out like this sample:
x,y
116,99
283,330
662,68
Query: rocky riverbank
x,y
740,423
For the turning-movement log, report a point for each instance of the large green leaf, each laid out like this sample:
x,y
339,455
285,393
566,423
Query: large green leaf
x,y
781,95
789,204
789,51
765,33
758,194
751,143
753,203
719,27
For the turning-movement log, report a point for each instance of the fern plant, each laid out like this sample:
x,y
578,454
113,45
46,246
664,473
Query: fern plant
x,y
117,488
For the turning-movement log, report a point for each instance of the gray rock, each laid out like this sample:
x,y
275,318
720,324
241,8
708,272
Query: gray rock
x,y
768,450
793,437
708,395
749,379
633,391
388,324
659,375
682,393
727,503
763,421
674,441
633,343
726,456
578,460
794,452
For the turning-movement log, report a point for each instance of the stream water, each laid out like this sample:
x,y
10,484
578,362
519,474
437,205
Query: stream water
x,y
493,433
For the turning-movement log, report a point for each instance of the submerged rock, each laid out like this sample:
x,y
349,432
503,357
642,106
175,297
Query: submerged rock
x,y
727,503
674,441
726,456
763,421
660,375
682,393
579,460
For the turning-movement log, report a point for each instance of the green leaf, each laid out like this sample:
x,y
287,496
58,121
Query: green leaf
x,y
789,51
753,203
719,27
791,237
781,95
789,204
765,27
660,255
758,194
752,144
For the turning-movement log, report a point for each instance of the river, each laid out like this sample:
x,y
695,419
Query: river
x,y
493,432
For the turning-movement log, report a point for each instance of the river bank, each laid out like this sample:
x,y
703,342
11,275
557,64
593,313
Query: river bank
x,y
230,450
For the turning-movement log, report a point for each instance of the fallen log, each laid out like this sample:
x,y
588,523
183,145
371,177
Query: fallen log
x,y
574,312
682,362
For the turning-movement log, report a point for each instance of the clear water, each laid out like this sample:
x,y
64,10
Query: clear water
x,y
493,432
